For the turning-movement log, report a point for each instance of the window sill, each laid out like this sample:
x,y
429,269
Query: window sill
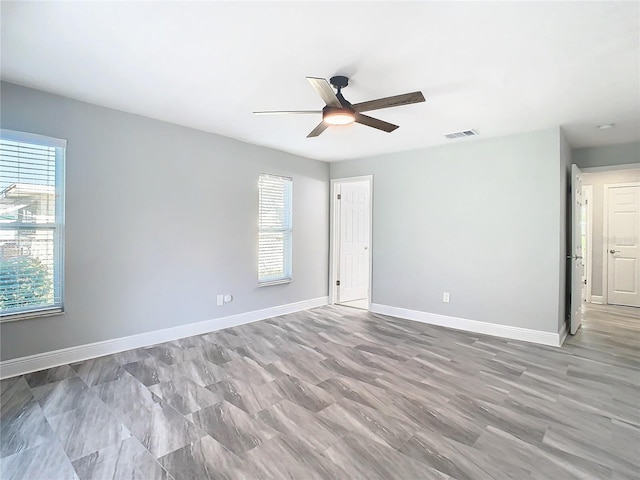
x,y
14,317
275,282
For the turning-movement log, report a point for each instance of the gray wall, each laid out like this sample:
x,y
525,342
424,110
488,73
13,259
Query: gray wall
x,y
608,155
480,219
598,180
160,219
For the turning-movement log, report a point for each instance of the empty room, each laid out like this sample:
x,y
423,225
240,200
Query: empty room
x,y
319,240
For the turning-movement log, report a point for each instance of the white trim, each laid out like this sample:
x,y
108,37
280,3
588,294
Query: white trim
x,y
610,168
334,235
597,299
563,334
621,185
605,235
333,239
45,312
275,282
475,326
17,136
605,244
587,192
41,361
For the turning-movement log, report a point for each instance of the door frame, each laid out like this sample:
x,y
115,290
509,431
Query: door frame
x,y
605,236
334,235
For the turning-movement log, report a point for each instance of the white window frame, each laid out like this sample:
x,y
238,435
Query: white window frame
x,y
286,230
57,226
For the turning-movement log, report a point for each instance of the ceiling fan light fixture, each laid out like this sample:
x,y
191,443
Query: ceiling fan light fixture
x,y
338,116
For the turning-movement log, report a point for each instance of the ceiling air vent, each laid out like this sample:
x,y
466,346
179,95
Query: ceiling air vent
x,y
464,133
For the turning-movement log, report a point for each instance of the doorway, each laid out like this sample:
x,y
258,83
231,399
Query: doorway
x,y
351,234
611,222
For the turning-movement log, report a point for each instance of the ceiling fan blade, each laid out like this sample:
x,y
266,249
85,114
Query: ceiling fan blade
x,y
318,130
286,112
325,90
395,101
375,123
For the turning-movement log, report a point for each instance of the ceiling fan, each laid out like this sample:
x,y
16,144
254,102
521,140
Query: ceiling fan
x,y
338,111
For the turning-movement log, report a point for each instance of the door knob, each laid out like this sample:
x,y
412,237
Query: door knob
x,y
614,251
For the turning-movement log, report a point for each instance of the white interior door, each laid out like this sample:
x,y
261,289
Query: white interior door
x,y
587,240
353,268
623,250
577,263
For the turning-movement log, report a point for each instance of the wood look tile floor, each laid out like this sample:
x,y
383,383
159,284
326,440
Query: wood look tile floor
x,y
336,393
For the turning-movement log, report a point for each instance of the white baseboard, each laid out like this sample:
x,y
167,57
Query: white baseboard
x,y
596,299
475,326
563,334
41,361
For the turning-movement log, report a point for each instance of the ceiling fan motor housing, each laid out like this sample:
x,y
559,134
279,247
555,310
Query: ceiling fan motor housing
x,y
339,81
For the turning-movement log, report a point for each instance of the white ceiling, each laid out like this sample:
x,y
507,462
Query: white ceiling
x,y
497,67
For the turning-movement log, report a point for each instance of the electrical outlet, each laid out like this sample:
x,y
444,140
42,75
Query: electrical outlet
x,y
445,297
220,300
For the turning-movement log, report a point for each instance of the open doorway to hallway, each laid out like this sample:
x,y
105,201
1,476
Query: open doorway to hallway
x,y
610,232
351,233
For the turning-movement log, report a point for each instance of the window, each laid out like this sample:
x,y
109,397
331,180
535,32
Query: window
x,y
274,238
31,225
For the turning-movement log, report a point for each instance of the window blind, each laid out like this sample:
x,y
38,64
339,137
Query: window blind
x,y
31,224
275,229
